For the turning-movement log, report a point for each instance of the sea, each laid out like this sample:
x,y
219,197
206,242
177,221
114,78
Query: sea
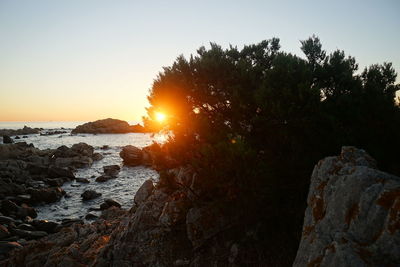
x,y
122,189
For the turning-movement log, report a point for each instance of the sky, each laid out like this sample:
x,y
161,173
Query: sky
x,y
83,60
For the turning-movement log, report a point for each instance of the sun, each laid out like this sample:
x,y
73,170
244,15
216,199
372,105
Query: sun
x,y
160,117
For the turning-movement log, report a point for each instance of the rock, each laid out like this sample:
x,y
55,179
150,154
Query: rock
x,y
97,156
202,223
69,222
83,149
55,172
4,233
25,226
131,155
25,211
53,133
103,178
144,192
6,247
105,147
57,182
7,140
104,206
174,211
75,162
91,216
82,180
17,137
24,131
29,234
107,126
44,225
90,194
353,214
111,170
8,207
47,195
109,203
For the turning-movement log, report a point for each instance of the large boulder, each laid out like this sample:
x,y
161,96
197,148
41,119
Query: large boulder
x,y
353,214
131,155
107,126
7,139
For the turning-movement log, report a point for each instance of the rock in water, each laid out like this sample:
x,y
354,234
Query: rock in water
x,y
111,170
353,214
90,194
131,155
107,126
7,139
82,180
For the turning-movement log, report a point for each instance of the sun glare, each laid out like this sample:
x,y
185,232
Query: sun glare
x,y
160,117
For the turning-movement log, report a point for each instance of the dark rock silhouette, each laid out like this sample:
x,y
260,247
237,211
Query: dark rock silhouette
x,y
108,126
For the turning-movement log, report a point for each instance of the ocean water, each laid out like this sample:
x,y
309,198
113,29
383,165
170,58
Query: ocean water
x,y
121,189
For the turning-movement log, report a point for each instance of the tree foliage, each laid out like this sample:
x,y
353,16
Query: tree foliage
x,y
255,120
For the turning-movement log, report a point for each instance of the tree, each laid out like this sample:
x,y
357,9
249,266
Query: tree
x,y
255,121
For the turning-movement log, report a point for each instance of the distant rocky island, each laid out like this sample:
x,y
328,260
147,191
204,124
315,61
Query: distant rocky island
x,y
108,126
23,131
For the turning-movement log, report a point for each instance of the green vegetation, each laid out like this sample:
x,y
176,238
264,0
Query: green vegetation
x,y
253,123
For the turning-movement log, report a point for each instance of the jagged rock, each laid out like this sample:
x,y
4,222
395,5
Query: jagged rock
x,y
90,194
131,155
353,214
7,140
107,126
111,170
144,192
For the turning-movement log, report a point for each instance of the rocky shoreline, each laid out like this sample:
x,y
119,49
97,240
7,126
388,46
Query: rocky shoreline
x,y
30,177
167,226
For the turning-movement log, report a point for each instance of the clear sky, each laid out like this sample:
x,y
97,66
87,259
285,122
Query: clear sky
x,y
92,59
